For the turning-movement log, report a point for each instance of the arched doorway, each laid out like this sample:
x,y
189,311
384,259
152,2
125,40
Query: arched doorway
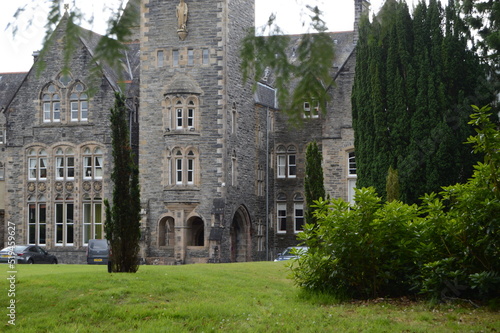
x,y
241,244
196,232
166,232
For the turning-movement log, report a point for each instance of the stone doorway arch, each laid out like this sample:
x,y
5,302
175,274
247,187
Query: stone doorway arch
x,y
240,239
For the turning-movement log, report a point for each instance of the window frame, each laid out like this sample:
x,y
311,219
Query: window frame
x,y
65,222
51,100
93,219
37,222
67,167
351,175
37,163
297,218
281,217
286,162
93,163
184,113
184,167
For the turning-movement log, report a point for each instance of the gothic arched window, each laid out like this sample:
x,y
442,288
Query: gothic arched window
x,y
92,163
79,104
51,104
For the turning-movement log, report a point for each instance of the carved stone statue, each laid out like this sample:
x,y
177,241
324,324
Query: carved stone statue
x,y
182,14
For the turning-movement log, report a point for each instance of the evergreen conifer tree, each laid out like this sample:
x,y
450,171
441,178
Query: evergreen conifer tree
x,y
313,182
122,223
413,83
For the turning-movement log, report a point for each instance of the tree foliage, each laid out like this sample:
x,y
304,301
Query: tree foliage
x,y
414,80
304,77
392,185
313,183
109,49
448,247
122,224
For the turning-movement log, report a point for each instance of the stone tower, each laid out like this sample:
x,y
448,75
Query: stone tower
x,y
196,132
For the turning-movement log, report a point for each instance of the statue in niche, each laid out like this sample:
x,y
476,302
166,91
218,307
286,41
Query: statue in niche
x,y
182,14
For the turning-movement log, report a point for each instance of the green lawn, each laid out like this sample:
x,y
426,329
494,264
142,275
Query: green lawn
x,y
247,297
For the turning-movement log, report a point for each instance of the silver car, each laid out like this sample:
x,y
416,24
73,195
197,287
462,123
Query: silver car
x,y
26,254
291,253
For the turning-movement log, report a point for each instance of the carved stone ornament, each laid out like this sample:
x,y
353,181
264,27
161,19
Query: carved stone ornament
x,y
58,186
86,186
98,186
182,16
69,186
31,187
42,187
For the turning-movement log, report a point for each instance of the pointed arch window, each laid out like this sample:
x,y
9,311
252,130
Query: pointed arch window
x,y
184,113
51,104
65,163
92,163
37,164
286,161
79,104
184,167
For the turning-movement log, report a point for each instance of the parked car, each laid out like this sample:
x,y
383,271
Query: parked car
x,y
291,253
98,252
27,254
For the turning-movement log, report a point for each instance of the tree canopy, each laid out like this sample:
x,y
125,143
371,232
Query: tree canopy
x,y
415,79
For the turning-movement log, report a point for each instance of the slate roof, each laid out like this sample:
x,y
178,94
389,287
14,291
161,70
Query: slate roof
x,y
344,48
265,95
130,62
9,84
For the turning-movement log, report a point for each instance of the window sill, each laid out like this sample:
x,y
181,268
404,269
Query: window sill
x,y
64,124
183,131
182,188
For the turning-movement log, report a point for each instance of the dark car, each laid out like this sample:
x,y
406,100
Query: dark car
x,y
98,252
291,253
27,254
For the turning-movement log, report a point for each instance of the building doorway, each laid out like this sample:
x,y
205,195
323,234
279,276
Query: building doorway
x,y
241,244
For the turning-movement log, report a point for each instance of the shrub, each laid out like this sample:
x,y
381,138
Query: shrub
x,y
447,247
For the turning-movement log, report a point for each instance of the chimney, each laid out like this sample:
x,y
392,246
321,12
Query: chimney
x,y
35,55
361,7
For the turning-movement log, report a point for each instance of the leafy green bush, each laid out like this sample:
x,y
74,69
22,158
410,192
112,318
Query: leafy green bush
x,y
447,247
366,250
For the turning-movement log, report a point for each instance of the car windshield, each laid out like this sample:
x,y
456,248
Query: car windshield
x,y
99,244
292,251
17,248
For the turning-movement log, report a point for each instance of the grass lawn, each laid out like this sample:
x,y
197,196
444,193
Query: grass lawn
x,y
246,297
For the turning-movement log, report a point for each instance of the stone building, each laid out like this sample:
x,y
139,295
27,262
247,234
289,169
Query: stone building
x,y
221,170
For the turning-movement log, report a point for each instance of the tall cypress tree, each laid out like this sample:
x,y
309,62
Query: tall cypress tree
x,y
412,84
122,223
313,183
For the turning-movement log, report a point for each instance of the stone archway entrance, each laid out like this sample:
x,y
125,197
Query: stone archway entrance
x,y
241,244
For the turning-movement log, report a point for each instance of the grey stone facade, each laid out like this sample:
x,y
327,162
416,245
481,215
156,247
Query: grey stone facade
x,y
210,150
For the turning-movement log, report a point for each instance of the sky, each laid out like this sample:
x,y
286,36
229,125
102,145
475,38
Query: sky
x,y
16,51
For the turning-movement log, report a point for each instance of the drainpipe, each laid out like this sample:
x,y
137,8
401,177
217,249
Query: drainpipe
x,y
267,183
